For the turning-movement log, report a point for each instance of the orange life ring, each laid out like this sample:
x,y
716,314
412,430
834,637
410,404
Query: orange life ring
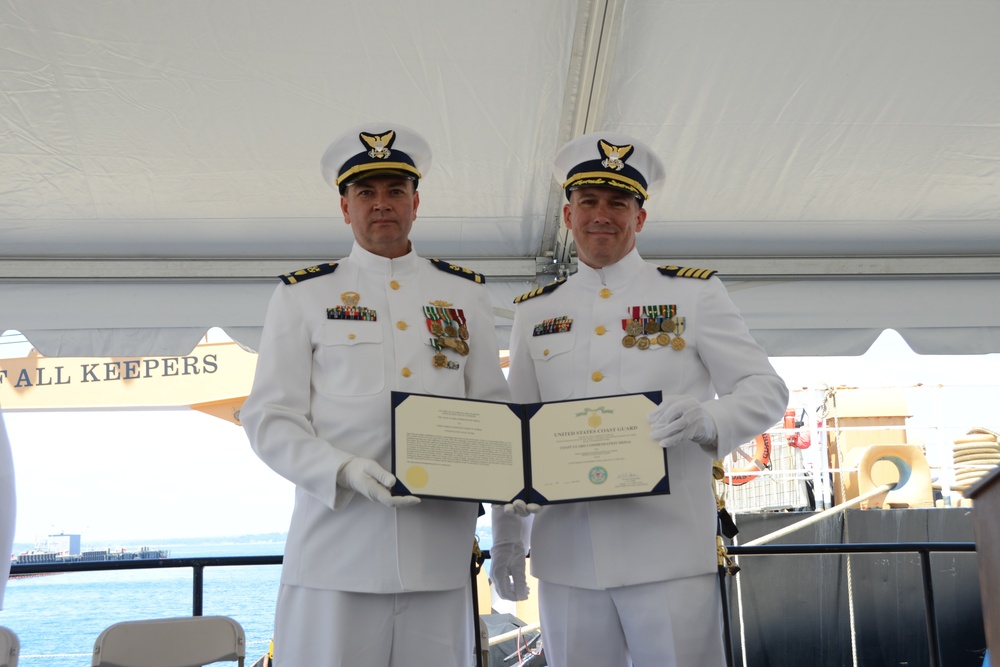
x,y
761,460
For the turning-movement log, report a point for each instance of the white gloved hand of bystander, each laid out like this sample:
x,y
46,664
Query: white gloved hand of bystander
x,y
521,508
679,419
507,562
372,481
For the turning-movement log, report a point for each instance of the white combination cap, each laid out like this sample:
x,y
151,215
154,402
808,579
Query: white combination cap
x,y
375,149
609,160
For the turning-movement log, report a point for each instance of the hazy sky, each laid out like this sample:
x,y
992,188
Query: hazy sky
x,y
141,474
155,475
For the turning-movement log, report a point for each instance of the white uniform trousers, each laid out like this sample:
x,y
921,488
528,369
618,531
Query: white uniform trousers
x,y
323,628
674,623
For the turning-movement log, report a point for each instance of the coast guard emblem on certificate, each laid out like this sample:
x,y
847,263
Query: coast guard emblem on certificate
x,y
598,475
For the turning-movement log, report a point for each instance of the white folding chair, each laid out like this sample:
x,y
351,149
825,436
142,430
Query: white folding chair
x,y
9,647
190,641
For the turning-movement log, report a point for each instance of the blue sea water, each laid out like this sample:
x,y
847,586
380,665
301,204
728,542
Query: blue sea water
x,y
58,617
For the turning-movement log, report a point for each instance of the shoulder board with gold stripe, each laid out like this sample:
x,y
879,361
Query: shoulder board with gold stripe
x,y
686,272
311,272
448,267
538,292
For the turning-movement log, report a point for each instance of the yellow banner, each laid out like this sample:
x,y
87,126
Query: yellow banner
x,y
212,373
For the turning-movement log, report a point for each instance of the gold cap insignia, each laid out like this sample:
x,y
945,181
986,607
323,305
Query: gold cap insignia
x,y
615,156
379,144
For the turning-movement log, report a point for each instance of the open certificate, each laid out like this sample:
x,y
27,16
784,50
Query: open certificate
x,y
565,451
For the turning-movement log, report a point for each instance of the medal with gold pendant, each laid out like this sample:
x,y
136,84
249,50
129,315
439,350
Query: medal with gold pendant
x,y
450,322
678,343
440,361
463,328
665,314
632,328
435,320
456,344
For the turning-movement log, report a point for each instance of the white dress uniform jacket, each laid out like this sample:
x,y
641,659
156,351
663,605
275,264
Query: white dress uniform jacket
x,y
7,507
321,395
613,543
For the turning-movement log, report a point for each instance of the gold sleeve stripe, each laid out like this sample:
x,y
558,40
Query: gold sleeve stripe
x,y
686,272
539,291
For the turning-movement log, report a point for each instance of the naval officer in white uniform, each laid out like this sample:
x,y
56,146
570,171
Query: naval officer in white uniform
x,y
370,579
8,506
632,581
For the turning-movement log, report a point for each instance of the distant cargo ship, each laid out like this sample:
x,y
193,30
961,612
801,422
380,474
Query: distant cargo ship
x,y
64,548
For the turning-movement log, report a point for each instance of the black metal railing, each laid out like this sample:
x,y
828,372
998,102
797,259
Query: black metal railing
x,y
198,565
923,549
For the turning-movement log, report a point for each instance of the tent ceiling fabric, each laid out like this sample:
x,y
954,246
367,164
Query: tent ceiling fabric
x,y
839,162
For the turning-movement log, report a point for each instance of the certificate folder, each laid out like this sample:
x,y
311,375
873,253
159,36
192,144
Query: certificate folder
x,y
563,451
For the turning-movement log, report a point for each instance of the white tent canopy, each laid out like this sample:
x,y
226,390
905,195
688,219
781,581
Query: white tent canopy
x,y
837,161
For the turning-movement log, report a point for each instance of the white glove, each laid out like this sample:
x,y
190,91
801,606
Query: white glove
x,y
680,419
507,571
521,508
372,481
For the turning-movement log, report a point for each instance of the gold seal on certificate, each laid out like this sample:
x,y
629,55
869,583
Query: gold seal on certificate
x,y
416,477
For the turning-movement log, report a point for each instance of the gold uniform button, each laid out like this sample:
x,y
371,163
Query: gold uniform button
x,y
600,331
394,285
597,376
605,293
406,372
351,336
545,353
401,325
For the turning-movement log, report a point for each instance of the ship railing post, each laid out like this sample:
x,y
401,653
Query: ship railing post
x,y
930,615
199,585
